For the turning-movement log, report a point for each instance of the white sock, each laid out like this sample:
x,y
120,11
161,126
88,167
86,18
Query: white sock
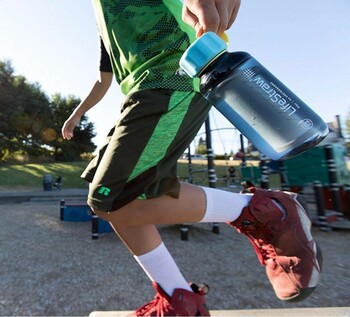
x,y
161,268
224,206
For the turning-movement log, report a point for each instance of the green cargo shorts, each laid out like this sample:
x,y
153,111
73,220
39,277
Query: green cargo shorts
x,y
139,158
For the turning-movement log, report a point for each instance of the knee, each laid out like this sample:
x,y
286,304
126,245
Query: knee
x,y
101,214
130,214
114,217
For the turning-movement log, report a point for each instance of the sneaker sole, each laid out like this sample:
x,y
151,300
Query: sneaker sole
x,y
307,291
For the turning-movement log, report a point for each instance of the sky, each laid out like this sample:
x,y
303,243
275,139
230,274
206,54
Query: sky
x,y
305,44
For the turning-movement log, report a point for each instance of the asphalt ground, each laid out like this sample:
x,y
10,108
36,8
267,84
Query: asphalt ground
x,y
51,267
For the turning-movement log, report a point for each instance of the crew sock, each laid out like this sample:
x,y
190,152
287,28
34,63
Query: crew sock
x,y
161,268
224,206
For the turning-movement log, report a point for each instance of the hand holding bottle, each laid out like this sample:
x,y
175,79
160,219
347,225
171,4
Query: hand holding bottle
x,y
210,15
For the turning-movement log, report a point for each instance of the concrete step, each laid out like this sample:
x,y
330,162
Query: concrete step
x,y
319,311
41,196
75,198
343,224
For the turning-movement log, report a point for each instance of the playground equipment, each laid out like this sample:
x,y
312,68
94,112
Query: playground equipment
x,y
81,212
320,174
211,177
322,169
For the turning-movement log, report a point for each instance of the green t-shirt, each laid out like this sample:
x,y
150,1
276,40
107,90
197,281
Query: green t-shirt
x,y
145,40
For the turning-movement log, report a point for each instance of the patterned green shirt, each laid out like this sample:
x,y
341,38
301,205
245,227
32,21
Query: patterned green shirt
x,y
145,40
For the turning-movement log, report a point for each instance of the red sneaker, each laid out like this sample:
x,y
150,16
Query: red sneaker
x,y
182,303
283,242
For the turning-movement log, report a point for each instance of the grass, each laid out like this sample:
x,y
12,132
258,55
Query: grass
x,y
30,176
200,172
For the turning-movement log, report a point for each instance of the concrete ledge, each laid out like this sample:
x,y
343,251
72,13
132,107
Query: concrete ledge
x,y
53,195
320,311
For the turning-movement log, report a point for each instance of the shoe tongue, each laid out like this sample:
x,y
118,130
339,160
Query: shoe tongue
x,y
160,291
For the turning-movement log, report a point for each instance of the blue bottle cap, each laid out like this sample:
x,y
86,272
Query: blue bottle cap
x,y
201,52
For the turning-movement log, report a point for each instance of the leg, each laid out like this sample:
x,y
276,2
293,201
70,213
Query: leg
x,y
134,225
278,226
139,239
189,207
140,159
145,243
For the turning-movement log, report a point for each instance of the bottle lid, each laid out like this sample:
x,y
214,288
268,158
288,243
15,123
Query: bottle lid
x,y
201,52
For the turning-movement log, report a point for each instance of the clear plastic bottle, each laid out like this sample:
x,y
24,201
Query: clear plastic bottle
x,y
262,108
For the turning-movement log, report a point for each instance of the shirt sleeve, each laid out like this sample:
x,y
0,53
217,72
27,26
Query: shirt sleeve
x,y
105,61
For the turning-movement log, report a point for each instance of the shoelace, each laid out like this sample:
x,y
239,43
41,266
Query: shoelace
x,y
159,305
263,250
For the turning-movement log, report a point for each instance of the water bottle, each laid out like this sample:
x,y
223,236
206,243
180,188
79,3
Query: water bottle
x,y
263,109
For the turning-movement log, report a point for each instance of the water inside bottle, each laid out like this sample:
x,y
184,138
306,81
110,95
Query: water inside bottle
x,y
277,122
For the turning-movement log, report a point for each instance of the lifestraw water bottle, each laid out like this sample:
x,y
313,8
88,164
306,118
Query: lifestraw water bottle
x,y
264,110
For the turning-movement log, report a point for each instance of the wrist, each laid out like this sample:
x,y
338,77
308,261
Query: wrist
x,y
78,112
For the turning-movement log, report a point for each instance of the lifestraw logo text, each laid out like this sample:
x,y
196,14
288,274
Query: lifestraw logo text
x,y
275,94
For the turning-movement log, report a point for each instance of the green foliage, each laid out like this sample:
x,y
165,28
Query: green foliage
x,y
64,150
347,124
347,129
201,147
30,123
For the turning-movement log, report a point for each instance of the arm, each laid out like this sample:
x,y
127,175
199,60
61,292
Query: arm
x,y
210,15
97,92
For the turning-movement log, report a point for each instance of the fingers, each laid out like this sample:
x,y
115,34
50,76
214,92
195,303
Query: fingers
x,y
67,135
69,126
201,15
189,17
227,12
234,12
67,132
210,15
224,17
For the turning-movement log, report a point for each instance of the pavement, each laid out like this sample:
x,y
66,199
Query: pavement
x,y
70,274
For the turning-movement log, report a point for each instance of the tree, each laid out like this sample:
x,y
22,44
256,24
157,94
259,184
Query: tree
x,y
81,143
347,128
347,124
31,124
23,107
31,117
202,146
6,99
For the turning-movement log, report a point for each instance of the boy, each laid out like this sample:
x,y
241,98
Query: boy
x,y
133,179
